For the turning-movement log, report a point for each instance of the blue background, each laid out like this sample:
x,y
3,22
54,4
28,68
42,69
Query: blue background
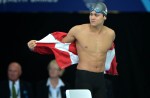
x,y
75,6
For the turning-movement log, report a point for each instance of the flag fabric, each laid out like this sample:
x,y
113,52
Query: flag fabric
x,y
66,53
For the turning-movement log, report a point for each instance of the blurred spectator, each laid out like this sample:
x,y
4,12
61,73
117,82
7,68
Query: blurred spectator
x,y
53,87
14,87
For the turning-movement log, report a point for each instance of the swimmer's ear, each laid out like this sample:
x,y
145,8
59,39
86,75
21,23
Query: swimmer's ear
x,y
105,17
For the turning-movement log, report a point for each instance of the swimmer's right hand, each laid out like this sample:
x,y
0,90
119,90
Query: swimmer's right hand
x,y
31,44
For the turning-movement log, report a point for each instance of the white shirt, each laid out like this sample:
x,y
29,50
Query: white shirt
x,y
55,92
17,87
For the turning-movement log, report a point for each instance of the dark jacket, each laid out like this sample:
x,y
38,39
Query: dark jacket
x,y
42,90
25,89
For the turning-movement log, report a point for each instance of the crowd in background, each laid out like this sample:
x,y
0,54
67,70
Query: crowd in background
x,y
52,87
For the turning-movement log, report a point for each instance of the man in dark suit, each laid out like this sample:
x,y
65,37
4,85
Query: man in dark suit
x,y
53,87
14,87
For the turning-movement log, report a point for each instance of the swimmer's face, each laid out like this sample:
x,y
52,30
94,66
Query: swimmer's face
x,y
96,18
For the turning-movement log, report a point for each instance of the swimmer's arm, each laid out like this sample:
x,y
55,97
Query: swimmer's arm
x,y
113,35
70,36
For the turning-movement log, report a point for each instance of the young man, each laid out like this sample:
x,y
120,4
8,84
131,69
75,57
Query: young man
x,y
93,40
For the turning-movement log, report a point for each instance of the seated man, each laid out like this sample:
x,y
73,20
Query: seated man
x,y
14,87
53,87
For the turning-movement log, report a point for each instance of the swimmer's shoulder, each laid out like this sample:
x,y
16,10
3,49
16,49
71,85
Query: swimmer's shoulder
x,y
85,25
81,26
110,31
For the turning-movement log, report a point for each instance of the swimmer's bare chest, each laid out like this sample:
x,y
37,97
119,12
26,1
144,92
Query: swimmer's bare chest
x,y
93,43
92,49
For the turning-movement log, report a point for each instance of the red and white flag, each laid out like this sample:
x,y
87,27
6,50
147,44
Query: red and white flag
x,y
66,53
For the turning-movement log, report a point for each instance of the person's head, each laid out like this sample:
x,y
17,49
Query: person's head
x,y
14,71
54,70
98,13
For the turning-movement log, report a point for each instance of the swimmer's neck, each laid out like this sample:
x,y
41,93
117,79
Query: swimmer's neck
x,y
96,29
